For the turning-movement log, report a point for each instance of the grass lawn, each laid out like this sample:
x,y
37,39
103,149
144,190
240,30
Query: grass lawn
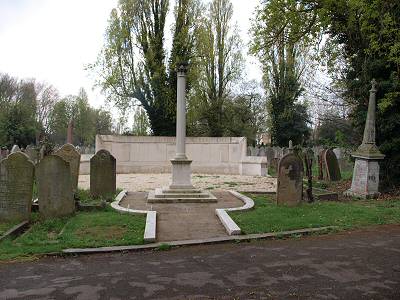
x,y
6,226
84,229
268,217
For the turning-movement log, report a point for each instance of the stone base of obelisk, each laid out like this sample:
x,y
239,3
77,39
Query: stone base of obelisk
x,y
181,189
365,181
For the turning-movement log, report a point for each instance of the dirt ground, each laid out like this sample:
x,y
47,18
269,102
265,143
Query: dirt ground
x,y
362,264
147,182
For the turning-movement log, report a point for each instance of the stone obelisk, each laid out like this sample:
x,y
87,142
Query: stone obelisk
x,y
365,181
181,188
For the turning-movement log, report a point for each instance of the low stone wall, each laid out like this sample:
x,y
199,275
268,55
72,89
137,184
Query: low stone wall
x,y
152,154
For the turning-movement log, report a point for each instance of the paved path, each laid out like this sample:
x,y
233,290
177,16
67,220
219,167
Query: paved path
x,y
184,221
147,182
351,265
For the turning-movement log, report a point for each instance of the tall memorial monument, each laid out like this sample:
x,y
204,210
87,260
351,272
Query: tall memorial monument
x,y
181,188
365,181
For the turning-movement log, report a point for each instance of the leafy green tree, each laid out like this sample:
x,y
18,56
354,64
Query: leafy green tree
x,y
281,55
141,125
132,66
362,41
218,65
17,111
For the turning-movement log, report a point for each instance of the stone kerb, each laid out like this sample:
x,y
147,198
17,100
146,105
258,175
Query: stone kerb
x,y
230,226
290,180
73,157
151,216
55,193
16,186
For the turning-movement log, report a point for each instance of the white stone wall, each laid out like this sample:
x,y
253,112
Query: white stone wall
x,y
152,154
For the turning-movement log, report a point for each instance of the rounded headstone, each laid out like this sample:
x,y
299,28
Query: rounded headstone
x,y
290,180
16,186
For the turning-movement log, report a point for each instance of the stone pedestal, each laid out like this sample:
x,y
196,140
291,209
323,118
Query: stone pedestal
x,y
181,174
365,181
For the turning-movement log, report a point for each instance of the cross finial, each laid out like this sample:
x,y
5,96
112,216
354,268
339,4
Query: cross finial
x,y
373,83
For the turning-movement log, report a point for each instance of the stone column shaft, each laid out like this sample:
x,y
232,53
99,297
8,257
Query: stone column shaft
x,y
181,115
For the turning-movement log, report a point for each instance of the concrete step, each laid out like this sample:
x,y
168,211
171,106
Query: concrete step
x,y
158,197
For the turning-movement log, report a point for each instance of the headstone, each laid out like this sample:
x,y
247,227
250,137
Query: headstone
x,y
70,155
55,194
102,174
261,152
332,170
290,180
16,185
33,154
253,151
321,164
269,152
15,148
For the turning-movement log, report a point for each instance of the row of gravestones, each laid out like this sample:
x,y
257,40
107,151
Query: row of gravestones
x,y
274,154
57,181
290,175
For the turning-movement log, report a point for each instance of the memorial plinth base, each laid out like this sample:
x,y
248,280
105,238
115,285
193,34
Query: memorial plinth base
x,y
365,181
181,189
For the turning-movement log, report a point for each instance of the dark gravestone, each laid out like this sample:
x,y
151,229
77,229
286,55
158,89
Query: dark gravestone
x,y
73,157
55,194
290,180
331,163
103,174
321,164
16,185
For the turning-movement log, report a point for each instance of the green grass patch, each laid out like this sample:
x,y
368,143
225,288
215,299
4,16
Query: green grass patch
x,y
268,217
4,226
86,198
82,230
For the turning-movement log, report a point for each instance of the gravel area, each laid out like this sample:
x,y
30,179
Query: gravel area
x,y
147,182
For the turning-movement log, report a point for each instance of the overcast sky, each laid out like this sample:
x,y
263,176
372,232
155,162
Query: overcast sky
x,y
52,40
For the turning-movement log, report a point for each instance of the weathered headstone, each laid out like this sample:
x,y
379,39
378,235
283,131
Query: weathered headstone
x,y
269,153
332,170
321,155
16,185
70,155
33,154
15,148
55,194
102,174
290,180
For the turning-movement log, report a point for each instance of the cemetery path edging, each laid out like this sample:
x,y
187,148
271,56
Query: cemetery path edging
x,y
153,246
230,226
151,216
